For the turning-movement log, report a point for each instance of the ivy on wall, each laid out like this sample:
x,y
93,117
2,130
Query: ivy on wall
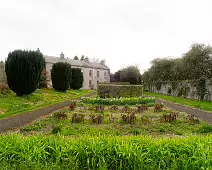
x,y
158,85
201,88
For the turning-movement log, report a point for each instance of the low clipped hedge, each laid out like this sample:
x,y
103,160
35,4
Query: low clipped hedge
x,y
117,83
110,90
121,101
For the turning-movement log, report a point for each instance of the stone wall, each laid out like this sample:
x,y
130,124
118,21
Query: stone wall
x,y
3,77
187,89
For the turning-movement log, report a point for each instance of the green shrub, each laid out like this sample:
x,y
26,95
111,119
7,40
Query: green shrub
x,y
23,69
121,101
77,78
56,129
108,90
61,76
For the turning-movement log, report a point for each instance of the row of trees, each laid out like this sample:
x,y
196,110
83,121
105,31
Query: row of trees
x,y
65,77
194,64
24,70
129,74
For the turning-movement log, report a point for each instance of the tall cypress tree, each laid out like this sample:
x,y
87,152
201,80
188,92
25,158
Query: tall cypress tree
x,y
61,76
23,70
77,78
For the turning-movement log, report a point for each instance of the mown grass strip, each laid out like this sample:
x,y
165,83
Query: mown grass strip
x,y
193,152
12,105
203,105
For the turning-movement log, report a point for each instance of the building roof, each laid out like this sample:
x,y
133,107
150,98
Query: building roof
x,y
78,63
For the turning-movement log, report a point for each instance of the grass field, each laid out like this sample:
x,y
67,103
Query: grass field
x,y
203,105
87,152
10,104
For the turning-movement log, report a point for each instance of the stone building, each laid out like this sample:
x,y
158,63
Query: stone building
x,y
93,72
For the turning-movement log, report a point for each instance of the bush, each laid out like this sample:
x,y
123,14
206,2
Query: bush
x,y
60,115
77,78
4,88
56,129
107,90
61,76
23,69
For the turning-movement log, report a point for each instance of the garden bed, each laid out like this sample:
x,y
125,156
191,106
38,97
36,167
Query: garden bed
x,y
114,120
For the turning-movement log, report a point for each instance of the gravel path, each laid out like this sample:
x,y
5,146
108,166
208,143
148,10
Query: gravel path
x,y
203,115
20,120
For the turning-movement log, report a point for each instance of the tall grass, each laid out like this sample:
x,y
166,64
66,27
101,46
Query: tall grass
x,y
120,101
18,152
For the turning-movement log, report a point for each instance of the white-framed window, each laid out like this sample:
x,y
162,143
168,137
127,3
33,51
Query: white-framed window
x,y
97,73
90,72
90,83
105,74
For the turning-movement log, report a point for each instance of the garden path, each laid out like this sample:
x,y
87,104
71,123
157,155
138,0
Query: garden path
x,y
17,121
203,115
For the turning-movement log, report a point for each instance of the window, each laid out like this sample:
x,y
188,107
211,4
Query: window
x,y
89,83
90,72
105,74
97,82
97,73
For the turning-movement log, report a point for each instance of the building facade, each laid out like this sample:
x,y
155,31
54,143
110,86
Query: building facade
x,y
93,72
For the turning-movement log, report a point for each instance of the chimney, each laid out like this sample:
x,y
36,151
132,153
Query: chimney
x,y
38,50
86,59
102,62
62,56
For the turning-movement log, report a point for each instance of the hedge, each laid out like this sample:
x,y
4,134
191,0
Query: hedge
x,y
117,83
109,90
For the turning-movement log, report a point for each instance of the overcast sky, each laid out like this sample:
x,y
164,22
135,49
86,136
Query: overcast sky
x,y
123,32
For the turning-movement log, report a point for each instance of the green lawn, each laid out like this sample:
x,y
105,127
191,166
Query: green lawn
x,y
203,105
10,104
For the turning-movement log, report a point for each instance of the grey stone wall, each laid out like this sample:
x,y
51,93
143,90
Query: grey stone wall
x,y
3,78
186,89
